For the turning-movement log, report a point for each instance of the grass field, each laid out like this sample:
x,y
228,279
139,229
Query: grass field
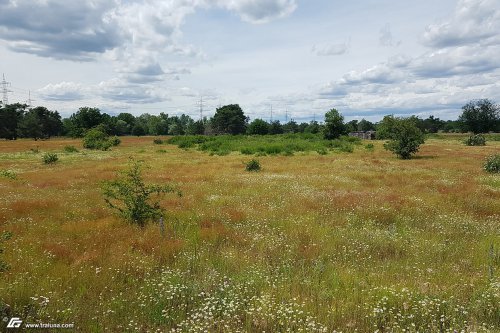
x,y
346,242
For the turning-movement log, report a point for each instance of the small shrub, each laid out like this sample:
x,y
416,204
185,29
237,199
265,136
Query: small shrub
x,y
70,149
115,141
8,174
347,148
253,165
50,158
247,151
322,151
476,140
288,152
273,150
99,140
370,147
492,164
132,198
158,141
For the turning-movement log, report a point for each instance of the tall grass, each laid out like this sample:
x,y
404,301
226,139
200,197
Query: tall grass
x,y
313,243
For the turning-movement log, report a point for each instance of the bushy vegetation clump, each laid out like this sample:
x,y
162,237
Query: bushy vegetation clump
x,y
261,145
8,174
492,164
158,141
136,201
253,165
405,137
50,158
97,139
476,140
70,149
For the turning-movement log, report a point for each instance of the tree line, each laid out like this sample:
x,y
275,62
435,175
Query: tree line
x,y
20,121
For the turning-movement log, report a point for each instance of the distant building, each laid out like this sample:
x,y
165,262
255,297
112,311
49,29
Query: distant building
x,y
368,135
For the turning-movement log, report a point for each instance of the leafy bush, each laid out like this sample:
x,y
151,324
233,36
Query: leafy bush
x,y
99,140
70,149
475,140
158,141
8,174
405,137
253,165
50,158
322,151
346,148
134,200
492,163
370,147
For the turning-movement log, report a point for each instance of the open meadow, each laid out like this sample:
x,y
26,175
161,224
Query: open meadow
x,y
322,239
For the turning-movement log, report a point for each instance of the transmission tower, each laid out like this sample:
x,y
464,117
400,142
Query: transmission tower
x,y
5,91
201,107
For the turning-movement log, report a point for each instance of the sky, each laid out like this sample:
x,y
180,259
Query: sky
x,y
298,58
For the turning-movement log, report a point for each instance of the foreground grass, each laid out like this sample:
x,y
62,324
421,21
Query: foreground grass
x,y
347,242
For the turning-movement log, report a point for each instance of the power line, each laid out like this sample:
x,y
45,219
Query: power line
x,y
5,91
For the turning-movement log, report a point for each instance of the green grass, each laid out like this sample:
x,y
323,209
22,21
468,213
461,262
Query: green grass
x,y
286,144
346,242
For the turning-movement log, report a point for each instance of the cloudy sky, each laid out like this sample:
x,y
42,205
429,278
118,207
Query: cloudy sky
x,y
366,58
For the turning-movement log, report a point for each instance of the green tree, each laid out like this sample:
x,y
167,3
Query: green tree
x,y
258,127
313,127
334,125
405,138
291,127
196,128
39,123
275,127
229,119
10,116
385,127
352,126
480,116
365,125
136,201
84,119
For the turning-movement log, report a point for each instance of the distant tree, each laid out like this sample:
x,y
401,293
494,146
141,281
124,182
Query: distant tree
x,y
196,128
334,125
433,125
121,127
10,116
83,120
480,116
128,118
40,123
138,130
302,127
405,137
291,127
258,127
275,127
229,119
313,127
365,125
352,126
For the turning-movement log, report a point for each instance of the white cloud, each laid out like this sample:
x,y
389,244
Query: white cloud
x,y
260,11
330,49
474,21
64,91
